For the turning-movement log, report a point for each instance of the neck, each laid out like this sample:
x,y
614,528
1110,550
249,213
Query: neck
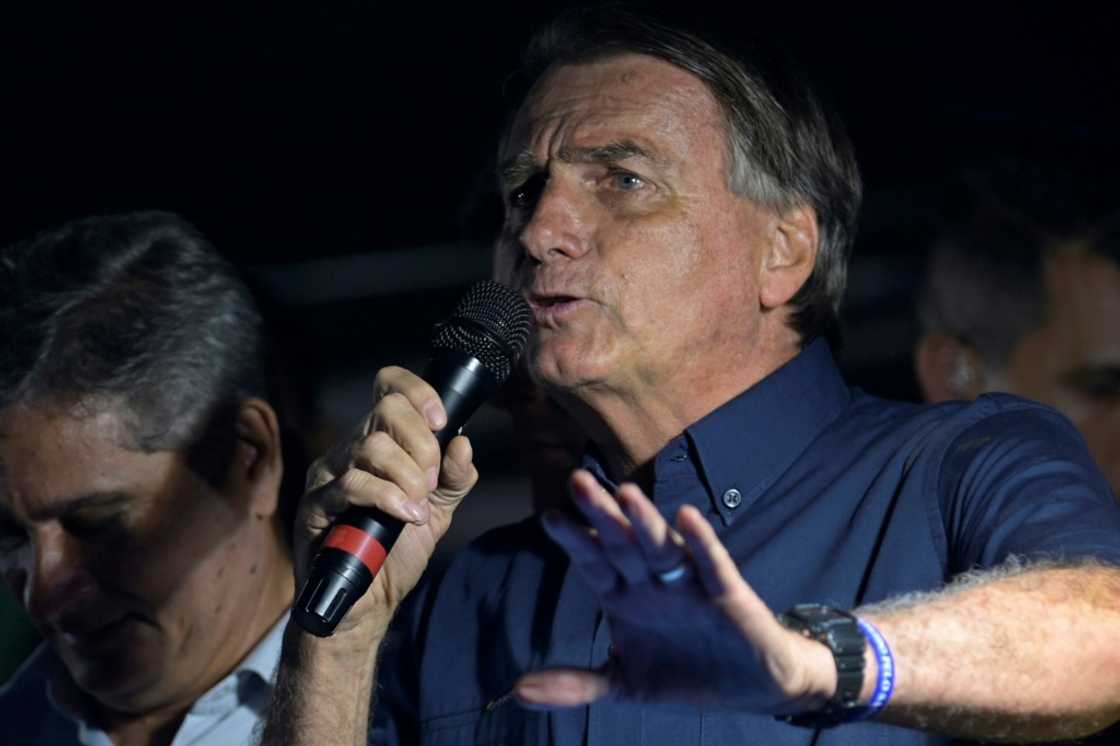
x,y
630,424
157,726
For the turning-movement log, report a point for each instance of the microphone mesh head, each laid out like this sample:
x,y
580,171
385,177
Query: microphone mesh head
x,y
491,323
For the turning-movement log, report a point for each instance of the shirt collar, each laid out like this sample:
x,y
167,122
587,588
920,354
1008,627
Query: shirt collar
x,y
746,444
249,683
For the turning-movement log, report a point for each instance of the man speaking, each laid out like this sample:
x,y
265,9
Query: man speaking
x,y
756,553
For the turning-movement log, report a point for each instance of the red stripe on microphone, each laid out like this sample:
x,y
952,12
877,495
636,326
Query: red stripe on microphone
x,y
358,543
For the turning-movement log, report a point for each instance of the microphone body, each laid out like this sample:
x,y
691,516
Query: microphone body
x,y
465,372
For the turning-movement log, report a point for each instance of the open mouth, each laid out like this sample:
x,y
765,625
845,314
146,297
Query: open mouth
x,y
551,309
551,301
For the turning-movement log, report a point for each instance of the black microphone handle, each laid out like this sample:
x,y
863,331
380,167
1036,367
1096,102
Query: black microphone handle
x,y
358,542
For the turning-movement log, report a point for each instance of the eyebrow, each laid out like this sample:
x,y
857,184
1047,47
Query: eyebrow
x,y
518,168
91,500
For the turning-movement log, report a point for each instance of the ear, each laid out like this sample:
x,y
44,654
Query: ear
x,y
257,466
791,253
948,368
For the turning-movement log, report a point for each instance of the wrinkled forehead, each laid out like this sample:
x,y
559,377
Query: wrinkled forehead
x,y
625,95
51,438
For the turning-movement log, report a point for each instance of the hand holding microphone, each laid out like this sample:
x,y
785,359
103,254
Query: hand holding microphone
x,y
396,482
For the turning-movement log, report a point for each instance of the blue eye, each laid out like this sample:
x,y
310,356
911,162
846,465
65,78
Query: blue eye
x,y
627,182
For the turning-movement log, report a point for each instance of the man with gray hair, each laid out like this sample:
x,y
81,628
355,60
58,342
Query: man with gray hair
x,y
679,223
141,521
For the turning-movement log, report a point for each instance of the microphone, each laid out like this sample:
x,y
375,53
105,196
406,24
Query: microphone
x,y
473,353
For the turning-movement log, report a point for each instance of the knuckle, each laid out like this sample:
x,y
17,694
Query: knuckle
x,y
353,482
388,409
414,486
377,442
395,400
384,381
466,479
427,451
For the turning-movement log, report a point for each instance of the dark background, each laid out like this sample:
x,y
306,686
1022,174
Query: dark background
x,y
340,151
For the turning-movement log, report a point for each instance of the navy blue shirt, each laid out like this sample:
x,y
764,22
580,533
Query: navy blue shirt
x,y
819,491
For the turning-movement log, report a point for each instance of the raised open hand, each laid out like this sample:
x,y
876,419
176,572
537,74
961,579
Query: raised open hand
x,y
685,626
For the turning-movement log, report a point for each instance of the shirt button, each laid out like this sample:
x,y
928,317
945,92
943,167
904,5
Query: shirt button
x,y
732,498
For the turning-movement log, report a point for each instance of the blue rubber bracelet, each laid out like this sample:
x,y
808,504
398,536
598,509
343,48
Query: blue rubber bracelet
x,y
884,681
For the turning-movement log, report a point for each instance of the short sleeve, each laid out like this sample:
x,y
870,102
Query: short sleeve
x,y
1020,481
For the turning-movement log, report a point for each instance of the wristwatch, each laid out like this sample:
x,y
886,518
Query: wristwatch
x,y
841,633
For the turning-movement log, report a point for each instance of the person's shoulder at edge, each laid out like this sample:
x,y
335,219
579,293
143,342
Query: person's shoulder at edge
x,y
28,681
25,707
950,418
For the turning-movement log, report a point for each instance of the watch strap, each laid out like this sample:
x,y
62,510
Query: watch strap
x,y
840,631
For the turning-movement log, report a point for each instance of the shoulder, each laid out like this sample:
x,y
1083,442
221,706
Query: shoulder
x,y
996,417
28,716
943,447
29,683
1005,429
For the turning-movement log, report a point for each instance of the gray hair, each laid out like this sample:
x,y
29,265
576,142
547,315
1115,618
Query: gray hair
x,y
785,148
139,313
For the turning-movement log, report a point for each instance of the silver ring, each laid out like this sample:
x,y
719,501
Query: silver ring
x,y
676,574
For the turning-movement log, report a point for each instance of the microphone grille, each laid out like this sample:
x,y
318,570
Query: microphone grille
x,y
491,324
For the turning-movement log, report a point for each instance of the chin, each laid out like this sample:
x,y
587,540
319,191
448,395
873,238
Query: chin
x,y
127,681
560,364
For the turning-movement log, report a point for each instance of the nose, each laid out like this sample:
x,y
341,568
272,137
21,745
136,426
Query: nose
x,y
560,224
57,582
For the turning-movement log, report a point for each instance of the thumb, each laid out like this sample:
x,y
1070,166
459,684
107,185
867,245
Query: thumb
x,y
558,688
457,474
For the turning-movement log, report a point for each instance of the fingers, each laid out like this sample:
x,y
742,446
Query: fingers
x,y
457,475
664,549
399,477
636,538
586,552
413,388
392,461
558,688
613,528
395,464
716,568
633,540
396,420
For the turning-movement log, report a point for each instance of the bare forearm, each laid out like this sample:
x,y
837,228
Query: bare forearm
x,y
1027,655
323,692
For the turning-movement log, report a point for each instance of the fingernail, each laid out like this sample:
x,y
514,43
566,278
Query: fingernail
x,y
418,511
433,413
433,478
